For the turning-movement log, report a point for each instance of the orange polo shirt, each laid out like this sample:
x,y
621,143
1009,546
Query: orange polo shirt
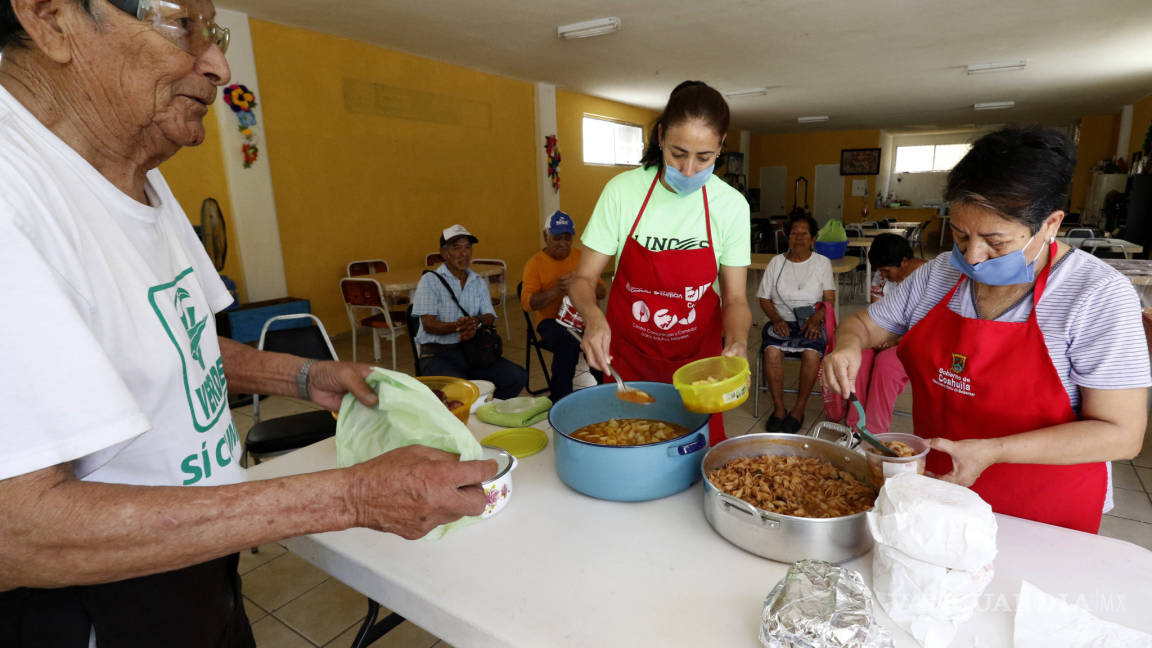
x,y
541,273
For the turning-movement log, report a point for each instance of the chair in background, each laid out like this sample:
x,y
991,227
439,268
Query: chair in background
x,y
498,289
433,258
856,275
1081,232
916,238
366,267
413,324
365,293
396,300
281,434
532,341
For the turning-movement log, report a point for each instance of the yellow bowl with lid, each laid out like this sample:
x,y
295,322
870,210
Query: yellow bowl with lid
x,y
713,385
457,394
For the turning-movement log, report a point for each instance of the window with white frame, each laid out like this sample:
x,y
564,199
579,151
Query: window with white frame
x,y
612,142
930,157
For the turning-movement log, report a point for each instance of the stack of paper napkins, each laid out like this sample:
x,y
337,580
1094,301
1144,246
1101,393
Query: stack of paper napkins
x,y
935,543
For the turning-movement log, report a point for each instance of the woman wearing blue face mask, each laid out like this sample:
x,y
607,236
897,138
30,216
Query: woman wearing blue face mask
x,y
1027,359
675,229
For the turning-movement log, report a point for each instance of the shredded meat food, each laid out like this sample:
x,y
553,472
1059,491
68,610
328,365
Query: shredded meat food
x,y
800,486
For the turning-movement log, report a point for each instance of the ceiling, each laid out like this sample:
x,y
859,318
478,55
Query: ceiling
x,y
893,64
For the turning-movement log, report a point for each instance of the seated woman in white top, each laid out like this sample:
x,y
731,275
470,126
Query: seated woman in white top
x,y
796,292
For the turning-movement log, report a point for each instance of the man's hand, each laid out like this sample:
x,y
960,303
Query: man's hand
x,y
329,381
564,283
412,490
466,327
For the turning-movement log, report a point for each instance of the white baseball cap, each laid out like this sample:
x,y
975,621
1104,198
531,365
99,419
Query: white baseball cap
x,y
455,231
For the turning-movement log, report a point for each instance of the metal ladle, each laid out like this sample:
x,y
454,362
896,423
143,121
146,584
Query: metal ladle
x,y
623,392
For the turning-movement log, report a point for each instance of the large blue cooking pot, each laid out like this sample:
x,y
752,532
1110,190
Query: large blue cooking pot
x,y
627,473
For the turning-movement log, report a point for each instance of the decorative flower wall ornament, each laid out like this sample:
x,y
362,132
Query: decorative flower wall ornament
x,y
241,100
553,161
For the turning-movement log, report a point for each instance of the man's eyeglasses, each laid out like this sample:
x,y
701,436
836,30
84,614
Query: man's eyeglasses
x,y
191,31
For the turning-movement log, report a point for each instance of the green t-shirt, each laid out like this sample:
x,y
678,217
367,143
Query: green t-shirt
x,y
671,221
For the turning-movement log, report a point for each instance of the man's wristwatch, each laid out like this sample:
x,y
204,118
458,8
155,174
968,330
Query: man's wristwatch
x,y
302,379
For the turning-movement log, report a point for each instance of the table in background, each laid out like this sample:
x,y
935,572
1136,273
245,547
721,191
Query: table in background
x,y
839,266
557,568
873,233
1128,248
404,280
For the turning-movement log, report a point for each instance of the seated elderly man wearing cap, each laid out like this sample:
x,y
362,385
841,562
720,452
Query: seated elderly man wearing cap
x,y
547,276
443,326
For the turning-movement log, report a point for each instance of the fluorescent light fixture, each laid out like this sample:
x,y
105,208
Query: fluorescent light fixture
x,y
812,119
994,105
746,92
589,28
981,68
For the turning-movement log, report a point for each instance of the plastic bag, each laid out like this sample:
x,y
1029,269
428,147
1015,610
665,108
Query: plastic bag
x,y
408,414
832,232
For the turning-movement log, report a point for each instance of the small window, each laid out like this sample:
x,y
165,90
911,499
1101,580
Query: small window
x,y
612,142
919,159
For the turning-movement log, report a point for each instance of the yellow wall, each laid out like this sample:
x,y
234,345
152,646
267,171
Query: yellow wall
x,y
581,184
354,186
1098,135
197,173
801,152
1141,122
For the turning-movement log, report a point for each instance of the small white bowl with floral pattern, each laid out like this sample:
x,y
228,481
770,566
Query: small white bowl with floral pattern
x,y
498,490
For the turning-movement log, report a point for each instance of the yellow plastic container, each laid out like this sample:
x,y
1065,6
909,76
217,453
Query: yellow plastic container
x,y
455,389
712,385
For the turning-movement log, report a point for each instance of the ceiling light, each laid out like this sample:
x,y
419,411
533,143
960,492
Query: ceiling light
x,y
812,119
994,105
746,92
980,68
589,28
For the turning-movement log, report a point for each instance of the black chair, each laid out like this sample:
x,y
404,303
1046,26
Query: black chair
x,y
413,328
533,342
284,433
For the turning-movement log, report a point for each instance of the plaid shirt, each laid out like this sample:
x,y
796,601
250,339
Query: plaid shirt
x,y
431,299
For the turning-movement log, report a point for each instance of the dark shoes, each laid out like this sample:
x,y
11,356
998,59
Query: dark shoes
x,y
792,424
774,424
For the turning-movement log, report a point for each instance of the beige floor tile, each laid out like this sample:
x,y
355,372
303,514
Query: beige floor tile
x,y
325,611
1133,505
442,644
254,612
281,580
1139,533
265,553
1124,476
1144,459
1145,475
271,633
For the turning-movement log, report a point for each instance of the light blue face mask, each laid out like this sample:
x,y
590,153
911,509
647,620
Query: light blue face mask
x,y
1012,268
683,184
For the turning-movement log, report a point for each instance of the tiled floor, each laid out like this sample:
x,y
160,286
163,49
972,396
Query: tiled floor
x,y
294,605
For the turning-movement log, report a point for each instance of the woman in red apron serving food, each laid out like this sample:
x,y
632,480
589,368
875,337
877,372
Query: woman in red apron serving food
x,y
1027,358
675,229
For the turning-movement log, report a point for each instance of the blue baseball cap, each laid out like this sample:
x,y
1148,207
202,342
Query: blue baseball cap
x,y
560,223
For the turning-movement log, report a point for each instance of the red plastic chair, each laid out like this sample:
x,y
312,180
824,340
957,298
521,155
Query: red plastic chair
x,y
366,293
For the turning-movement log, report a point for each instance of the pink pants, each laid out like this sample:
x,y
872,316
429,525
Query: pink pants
x,y
879,382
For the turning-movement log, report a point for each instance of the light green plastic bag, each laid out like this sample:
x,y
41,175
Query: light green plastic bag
x,y
408,414
832,232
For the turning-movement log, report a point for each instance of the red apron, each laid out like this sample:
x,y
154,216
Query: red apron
x,y
662,310
980,379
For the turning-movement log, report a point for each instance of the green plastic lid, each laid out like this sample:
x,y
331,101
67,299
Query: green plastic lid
x,y
521,442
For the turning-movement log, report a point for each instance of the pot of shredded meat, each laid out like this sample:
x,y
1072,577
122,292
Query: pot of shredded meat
x,y
789,497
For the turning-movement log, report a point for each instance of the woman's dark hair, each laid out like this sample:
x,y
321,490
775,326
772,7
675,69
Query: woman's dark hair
x,y
889,250
1022,174
691,100
813,228
11,31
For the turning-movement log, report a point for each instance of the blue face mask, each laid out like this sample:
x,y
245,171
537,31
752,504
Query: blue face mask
x,y
1012,268
683,184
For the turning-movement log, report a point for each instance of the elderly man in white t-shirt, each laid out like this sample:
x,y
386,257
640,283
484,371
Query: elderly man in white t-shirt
x,y
108,298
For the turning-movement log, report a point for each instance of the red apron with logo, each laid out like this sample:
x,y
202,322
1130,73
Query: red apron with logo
x,y
981,379
662,310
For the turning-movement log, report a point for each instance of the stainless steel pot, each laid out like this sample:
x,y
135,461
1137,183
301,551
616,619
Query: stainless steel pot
x,y
785,538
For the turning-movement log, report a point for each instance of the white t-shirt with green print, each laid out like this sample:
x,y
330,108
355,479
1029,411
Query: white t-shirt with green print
x,y
110,358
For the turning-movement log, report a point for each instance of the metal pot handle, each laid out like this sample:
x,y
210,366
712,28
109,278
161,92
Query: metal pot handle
x,y
744,508
696,445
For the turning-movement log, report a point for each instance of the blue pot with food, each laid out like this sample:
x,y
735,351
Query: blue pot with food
x,y
626,451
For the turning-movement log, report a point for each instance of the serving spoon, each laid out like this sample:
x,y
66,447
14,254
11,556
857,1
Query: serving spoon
x,y
623,392
863,433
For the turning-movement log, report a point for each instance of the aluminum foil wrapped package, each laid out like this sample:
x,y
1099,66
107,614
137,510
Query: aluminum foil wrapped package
x,y
821,605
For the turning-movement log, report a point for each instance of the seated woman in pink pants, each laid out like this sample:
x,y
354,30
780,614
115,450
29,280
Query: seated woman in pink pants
x,y
881,377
